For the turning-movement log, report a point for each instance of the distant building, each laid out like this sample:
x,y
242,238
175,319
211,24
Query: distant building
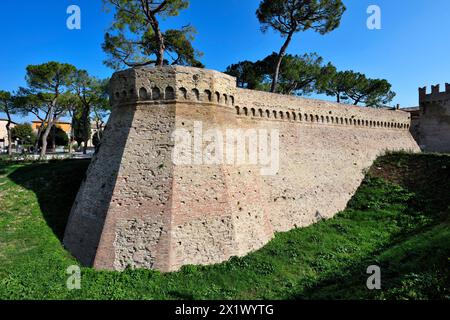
x,y
4,133
67,128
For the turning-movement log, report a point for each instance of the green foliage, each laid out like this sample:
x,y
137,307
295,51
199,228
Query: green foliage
x,y
248,74
26,102
179,47
371,92
136,39
81,127
305,74
49,79
48,94
7,105
91,95
90,90
291,16
5,95
5,101
327,260
60,136
25,134
379,196
298,74
354,86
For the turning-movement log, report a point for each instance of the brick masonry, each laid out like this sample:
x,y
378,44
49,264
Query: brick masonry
x,y
137,209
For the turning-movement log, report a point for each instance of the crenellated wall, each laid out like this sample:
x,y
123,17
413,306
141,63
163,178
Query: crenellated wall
x,y
434,121
138,207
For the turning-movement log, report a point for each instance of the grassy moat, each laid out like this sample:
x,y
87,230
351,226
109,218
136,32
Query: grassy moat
x,y
398,220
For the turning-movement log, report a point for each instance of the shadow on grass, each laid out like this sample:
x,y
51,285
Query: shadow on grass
x,y
56,185
414,264
414,269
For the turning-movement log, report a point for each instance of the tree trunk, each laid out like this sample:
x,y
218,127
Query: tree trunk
x,y
44,142
53,138
338,98
99,125
47,132
8,131
159,39
160,55
38,137
87,127
70,144
280,59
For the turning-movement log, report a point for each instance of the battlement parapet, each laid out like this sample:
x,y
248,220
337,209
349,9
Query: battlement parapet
x,y
172,83
267,106
433,124
436,95
200,86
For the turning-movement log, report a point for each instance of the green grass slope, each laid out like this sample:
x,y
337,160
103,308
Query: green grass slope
x,y
397,220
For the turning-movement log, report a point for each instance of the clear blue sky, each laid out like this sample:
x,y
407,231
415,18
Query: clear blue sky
x,y
411,50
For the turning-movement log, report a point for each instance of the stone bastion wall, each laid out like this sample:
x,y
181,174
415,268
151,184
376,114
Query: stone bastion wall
x,y
139,207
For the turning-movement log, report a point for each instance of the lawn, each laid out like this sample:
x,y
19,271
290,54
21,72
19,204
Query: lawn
x,y
398,220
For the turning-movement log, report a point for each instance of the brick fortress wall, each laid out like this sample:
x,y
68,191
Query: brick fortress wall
x,y
138,208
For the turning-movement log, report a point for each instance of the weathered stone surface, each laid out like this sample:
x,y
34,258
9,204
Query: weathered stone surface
x,y
137,208
434,121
